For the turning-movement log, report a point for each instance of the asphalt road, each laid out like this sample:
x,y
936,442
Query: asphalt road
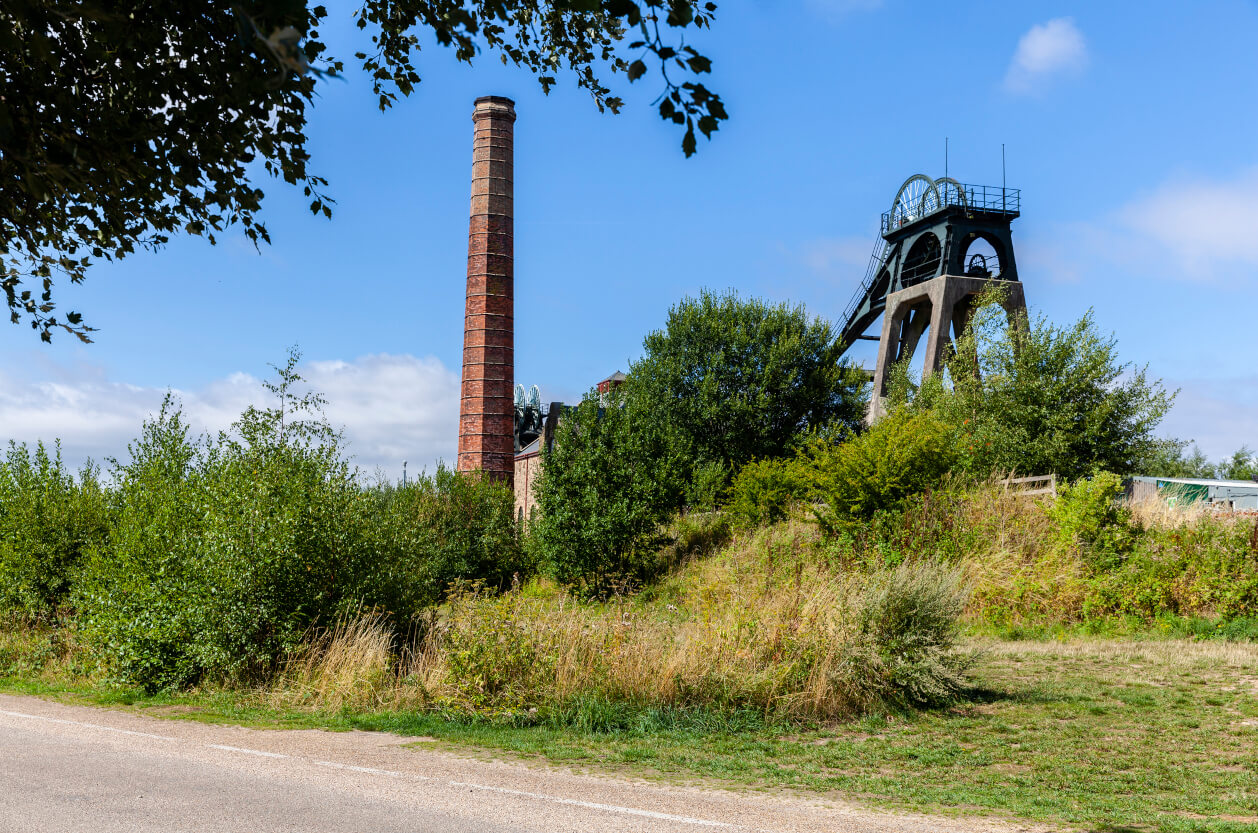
x,y
75,769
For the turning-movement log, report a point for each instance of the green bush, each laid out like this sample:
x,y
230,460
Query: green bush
x,y
227,551
765,491
1206,567
445,529
1089,516
902,455
732,379
606,487
1039,399
48,520
910,615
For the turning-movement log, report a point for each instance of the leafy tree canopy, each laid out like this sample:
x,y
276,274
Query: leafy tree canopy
x,y
122,123
1032,397
734,379
606,485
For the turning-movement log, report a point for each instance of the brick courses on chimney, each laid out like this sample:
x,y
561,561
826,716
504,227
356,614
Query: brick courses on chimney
x,y
487,407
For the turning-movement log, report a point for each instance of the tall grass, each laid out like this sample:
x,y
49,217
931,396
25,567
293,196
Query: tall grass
x,y
793,642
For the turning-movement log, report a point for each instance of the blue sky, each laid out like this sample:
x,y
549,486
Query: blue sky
x,y
1131,128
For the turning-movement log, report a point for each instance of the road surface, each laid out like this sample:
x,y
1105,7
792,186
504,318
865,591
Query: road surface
x,y
77,769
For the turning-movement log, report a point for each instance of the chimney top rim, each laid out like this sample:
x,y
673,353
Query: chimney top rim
x,y
494,99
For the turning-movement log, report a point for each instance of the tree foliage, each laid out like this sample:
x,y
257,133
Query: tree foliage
x,y
1032,397
732,380
903,455
1171,458
727,381
606,486
122,124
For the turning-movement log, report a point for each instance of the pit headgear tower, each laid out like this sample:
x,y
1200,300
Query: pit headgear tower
x,y
941,244
487,407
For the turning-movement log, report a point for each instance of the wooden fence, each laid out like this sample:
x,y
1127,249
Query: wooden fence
x,y
1027,486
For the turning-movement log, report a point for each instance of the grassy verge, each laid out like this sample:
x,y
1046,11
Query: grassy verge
x,y
1099,734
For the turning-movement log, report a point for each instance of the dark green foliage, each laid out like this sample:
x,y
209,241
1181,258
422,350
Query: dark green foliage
x,y
733,380
902,455
1049,399
605,488
48,521
123,124
725,382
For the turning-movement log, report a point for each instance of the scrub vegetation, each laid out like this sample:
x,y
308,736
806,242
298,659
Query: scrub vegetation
x,y
792,600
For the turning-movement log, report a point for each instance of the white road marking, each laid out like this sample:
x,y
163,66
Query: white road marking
x,y
611,808
246,751
373,770
86,725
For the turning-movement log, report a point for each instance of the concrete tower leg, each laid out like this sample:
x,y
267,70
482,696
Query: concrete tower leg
x,y
486,406
949,302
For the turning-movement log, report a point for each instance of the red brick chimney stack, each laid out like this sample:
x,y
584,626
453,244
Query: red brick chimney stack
x,y
487,408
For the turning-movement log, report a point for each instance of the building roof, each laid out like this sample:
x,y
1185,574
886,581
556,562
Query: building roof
x,y
1201,481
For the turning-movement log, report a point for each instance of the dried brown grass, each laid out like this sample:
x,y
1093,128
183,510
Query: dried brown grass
x,y
757,627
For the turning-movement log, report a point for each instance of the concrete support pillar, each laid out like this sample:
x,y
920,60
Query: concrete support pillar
x,y
487,407
947,302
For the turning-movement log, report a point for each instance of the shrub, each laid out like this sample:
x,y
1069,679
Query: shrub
x,y
447,528
910,615
1089,516
48,521
227,551
605,488
902,455
1038,399
765,491
1206,566
733,379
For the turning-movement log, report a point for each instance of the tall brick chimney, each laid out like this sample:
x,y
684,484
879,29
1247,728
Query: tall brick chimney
x,y
487,408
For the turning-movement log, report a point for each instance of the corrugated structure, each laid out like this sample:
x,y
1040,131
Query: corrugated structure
x,y
1226,494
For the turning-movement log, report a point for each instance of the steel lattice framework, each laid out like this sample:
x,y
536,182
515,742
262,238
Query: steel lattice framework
x,y
935,227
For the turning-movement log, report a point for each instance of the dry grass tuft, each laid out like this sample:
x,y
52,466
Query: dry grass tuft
x,y
761,626
352,666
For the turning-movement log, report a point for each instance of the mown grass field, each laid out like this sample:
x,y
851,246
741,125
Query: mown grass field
x,y
1095,734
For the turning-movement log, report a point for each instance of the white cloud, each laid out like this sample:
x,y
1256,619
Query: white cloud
x,y
1201,224
1047,49
392,408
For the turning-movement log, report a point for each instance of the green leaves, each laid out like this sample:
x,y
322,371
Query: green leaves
x,y
120,126
738,379
1050,399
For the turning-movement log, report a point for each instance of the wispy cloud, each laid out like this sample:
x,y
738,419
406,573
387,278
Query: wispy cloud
x,y
1048,49
391,407
1201,224
1219,415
